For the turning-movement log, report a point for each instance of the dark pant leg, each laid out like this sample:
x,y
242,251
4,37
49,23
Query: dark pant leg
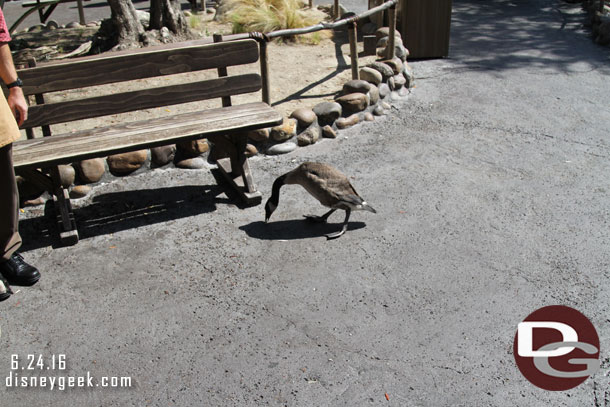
x,y
9,205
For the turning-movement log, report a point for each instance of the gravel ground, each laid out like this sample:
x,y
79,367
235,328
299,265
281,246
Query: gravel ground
x,y
491,186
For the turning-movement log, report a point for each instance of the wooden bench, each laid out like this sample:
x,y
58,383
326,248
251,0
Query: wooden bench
x,y
37,158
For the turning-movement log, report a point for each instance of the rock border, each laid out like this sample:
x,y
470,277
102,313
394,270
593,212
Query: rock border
x,y
383,83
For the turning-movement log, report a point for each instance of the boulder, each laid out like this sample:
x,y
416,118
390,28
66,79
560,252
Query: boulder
x,y
385,32
353,103
284,131
193,163
408,74
394,63
328,132
260,135
67,174
356,86
399,81
160,156
382,68
309,136
193,148
251,150
126,163
373,94
345,122
305,117
327,112
79,191
281,148
91,171
368,117
371,75
384,90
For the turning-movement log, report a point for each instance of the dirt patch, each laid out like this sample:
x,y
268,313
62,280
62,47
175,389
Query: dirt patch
x,y
301,75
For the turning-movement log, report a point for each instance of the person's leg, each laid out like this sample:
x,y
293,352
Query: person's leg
x,y
9,205
12,266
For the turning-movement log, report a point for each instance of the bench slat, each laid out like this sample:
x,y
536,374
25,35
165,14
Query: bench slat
x,y
61,112
67,148
147,62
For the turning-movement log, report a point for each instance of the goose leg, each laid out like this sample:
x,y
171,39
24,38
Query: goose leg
x,y
319,219
343,229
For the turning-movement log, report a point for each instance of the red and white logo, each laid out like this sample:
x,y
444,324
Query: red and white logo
x,y
556,348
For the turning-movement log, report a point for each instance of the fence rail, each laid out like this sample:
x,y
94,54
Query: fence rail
x,y
351,22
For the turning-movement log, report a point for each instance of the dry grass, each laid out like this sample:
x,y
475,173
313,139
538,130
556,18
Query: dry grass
x,y
271,15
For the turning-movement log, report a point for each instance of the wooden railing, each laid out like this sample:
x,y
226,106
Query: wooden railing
x,y
350,22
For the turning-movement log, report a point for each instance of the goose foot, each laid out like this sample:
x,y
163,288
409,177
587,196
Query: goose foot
x,y
319,219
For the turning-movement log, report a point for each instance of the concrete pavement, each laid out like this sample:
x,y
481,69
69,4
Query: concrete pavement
x,y
491,185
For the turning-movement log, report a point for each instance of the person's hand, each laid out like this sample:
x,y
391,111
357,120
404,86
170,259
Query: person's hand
x,y
18,105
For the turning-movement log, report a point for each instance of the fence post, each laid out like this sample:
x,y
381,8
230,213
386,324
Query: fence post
x,y
265,71
336,10
353,49
391,50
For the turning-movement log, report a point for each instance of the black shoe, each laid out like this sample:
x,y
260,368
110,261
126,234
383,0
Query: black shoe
x,y
18,272
5,289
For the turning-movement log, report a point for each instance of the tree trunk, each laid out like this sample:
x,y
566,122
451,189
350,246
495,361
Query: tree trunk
x,y
167,13
126,21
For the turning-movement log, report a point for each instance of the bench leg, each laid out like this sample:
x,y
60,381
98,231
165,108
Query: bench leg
x,y
235,167
68,234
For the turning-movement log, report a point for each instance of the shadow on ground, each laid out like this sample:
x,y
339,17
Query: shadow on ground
x,y
294,229
117,211
488,37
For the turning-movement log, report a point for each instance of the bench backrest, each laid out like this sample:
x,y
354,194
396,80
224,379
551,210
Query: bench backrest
x,y
140,64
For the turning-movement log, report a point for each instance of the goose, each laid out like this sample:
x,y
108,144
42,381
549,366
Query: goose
x,y
327,185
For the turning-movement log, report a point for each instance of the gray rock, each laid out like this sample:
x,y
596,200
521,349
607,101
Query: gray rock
x,y
284,131
356,86
67,174
305,117
383,69
193,148
260,135
309,136
79,191
73,24
385,32
379,110
371,75
345,122
327,112
403,92
368,117
281,148
384,90
195,163
160,156
251,150
91,171
408,74
353,103
399,81
391,83
126,163
386,105
328,132
399,52
374,94
395,63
